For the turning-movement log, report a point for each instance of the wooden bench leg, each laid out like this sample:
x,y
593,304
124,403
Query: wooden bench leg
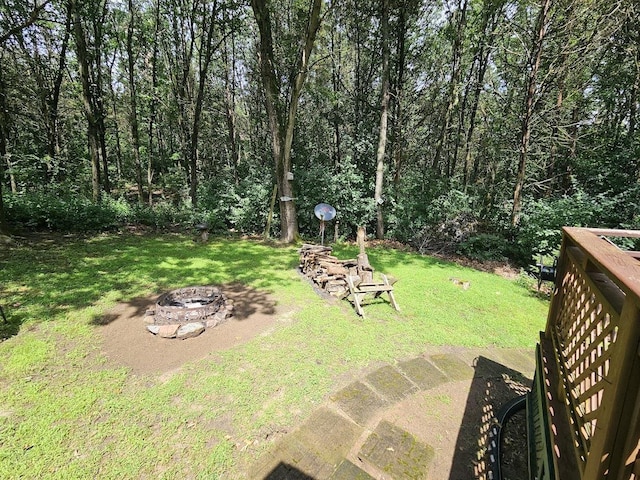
x,y
356,296
392,299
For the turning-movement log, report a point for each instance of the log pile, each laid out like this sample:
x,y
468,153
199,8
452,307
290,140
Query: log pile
x,y
328,272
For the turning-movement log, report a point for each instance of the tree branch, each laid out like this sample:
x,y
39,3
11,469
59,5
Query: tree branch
x,y
33,17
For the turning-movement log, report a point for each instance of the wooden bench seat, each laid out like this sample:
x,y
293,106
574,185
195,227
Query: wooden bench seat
x,y
358,290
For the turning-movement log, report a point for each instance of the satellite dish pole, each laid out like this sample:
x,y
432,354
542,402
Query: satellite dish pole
x,y
324,212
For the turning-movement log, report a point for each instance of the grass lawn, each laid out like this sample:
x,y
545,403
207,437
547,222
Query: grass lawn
x,y
67,412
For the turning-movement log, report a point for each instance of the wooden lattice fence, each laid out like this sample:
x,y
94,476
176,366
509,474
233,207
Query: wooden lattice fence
x,y
587,387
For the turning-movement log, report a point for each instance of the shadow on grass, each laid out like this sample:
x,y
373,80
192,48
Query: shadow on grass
x,y
493,385
45,279
137,308
8,326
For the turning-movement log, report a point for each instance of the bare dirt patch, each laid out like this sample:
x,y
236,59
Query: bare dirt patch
x,y
126,341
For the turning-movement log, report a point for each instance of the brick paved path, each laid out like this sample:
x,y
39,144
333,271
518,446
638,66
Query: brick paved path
x,y
355,433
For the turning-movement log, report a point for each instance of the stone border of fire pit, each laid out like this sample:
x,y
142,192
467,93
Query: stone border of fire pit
x,y
195,320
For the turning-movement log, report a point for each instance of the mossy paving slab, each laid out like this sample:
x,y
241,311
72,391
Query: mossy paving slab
x,y
397,452
390,383
348,471
520,360
359,402
329,435
423,373
450,364
290,459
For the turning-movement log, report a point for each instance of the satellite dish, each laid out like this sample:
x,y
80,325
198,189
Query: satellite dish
x,y
324,211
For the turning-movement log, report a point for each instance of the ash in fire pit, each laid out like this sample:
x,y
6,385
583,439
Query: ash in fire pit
x,y
187,312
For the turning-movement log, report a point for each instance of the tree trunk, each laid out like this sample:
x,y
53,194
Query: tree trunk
x,y
204,63
230,108
553,150
489,25
452,97
4,228
54,144
100,111
398,129
114,111
384,114
336,65
529,104
88,101
282,114
633,101
3,145
153,102
133,98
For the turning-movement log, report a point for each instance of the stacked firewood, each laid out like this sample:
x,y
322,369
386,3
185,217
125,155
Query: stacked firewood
x,y
328,272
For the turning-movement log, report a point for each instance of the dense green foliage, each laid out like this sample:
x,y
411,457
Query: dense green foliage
x,y
70,409
193,143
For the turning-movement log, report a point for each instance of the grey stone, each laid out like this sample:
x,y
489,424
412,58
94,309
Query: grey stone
x,y
212,322
190,330
168,331
153,329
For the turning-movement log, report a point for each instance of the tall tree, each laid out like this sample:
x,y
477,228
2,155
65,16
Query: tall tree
x,y
282,102
194,38
384,115
4,228
490,18
91,99
45,51
457,25
205,55
230,94
153,98
530,96
133,97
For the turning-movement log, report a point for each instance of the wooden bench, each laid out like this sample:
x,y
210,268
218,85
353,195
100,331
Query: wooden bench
x,y
359,289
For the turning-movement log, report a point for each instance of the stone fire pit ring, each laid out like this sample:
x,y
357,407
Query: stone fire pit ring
x,y
187,312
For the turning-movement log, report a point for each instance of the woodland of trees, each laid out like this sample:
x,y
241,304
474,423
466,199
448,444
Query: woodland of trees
x,y
480,126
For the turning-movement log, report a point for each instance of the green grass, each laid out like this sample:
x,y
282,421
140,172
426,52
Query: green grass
x,y
66,412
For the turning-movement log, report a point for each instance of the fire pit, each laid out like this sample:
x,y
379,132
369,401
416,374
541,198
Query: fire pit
x,y
187,312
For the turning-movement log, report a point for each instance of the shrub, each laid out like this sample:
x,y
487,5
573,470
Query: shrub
x,y
484,247
540,230
445,222
50,210
345,188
